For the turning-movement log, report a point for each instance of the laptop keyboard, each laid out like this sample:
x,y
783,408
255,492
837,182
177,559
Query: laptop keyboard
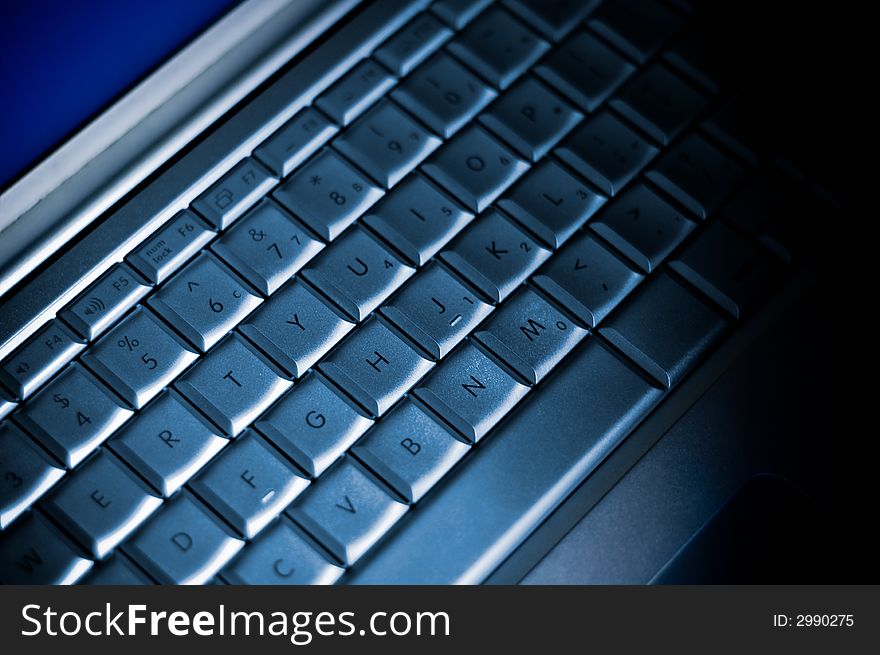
x,y
273,386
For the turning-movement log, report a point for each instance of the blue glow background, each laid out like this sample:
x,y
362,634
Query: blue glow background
x,y
61,63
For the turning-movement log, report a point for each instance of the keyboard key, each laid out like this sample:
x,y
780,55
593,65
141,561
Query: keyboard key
x,y
471,392
660,103
168,249
664,329
102,503
139,357
436,310
204,301
553,19
696,174
105,301
587,279
355,92
26,472
313,425
295,327
412,44
281,556
733,124
769,196
458,13
642,226
475,168
116,571
358,273
183,544
410,450
696,56
512,482
551,203
7,404
495,256
498,47
249,484
585,70
387,144
42,355
232,385
443,94
347,512
267,247
167,443
297,140
375,366
72,415
727,268
638,28
531,118
327,195
606,152
417,219
35,553
234,193
530,335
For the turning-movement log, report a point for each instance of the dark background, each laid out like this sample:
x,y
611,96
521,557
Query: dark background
x,y
798,66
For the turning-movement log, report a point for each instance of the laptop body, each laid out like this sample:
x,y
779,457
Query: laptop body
x,y
65,230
